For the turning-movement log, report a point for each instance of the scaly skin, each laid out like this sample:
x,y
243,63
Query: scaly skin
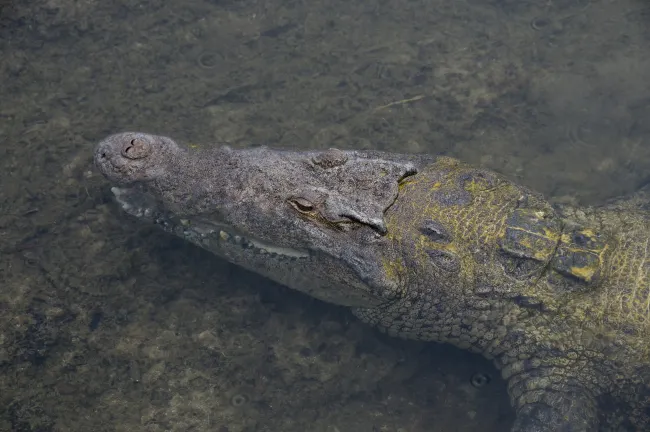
x,y
427,248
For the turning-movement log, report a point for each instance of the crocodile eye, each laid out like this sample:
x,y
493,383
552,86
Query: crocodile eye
x,y
302,205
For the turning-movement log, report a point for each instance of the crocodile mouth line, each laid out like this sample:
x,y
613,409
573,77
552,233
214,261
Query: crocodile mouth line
x,y
227,235
141,205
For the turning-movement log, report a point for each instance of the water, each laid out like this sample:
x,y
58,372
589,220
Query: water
x,y
106,325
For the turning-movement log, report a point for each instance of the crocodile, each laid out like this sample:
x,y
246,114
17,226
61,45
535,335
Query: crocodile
x,y
430,248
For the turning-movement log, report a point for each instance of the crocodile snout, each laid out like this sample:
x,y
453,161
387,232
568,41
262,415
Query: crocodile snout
x,y
127,157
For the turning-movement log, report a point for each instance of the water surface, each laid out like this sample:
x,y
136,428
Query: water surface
x,y
107,325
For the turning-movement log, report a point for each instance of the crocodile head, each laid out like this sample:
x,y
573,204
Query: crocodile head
x,y
313,221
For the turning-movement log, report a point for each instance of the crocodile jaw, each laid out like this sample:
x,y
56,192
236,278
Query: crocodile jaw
x,y
141,205
299,269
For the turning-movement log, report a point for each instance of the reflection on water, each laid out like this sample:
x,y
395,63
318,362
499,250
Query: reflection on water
x,y
106,326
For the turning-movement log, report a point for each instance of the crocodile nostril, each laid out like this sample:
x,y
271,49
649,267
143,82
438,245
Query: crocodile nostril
x,y
136,149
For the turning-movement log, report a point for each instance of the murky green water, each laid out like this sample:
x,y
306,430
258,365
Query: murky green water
x,y
106,325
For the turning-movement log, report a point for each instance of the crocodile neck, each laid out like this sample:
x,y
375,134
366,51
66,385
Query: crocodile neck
x,y
475,247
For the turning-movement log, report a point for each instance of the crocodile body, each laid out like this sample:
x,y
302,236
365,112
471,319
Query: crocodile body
x,y
427,248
